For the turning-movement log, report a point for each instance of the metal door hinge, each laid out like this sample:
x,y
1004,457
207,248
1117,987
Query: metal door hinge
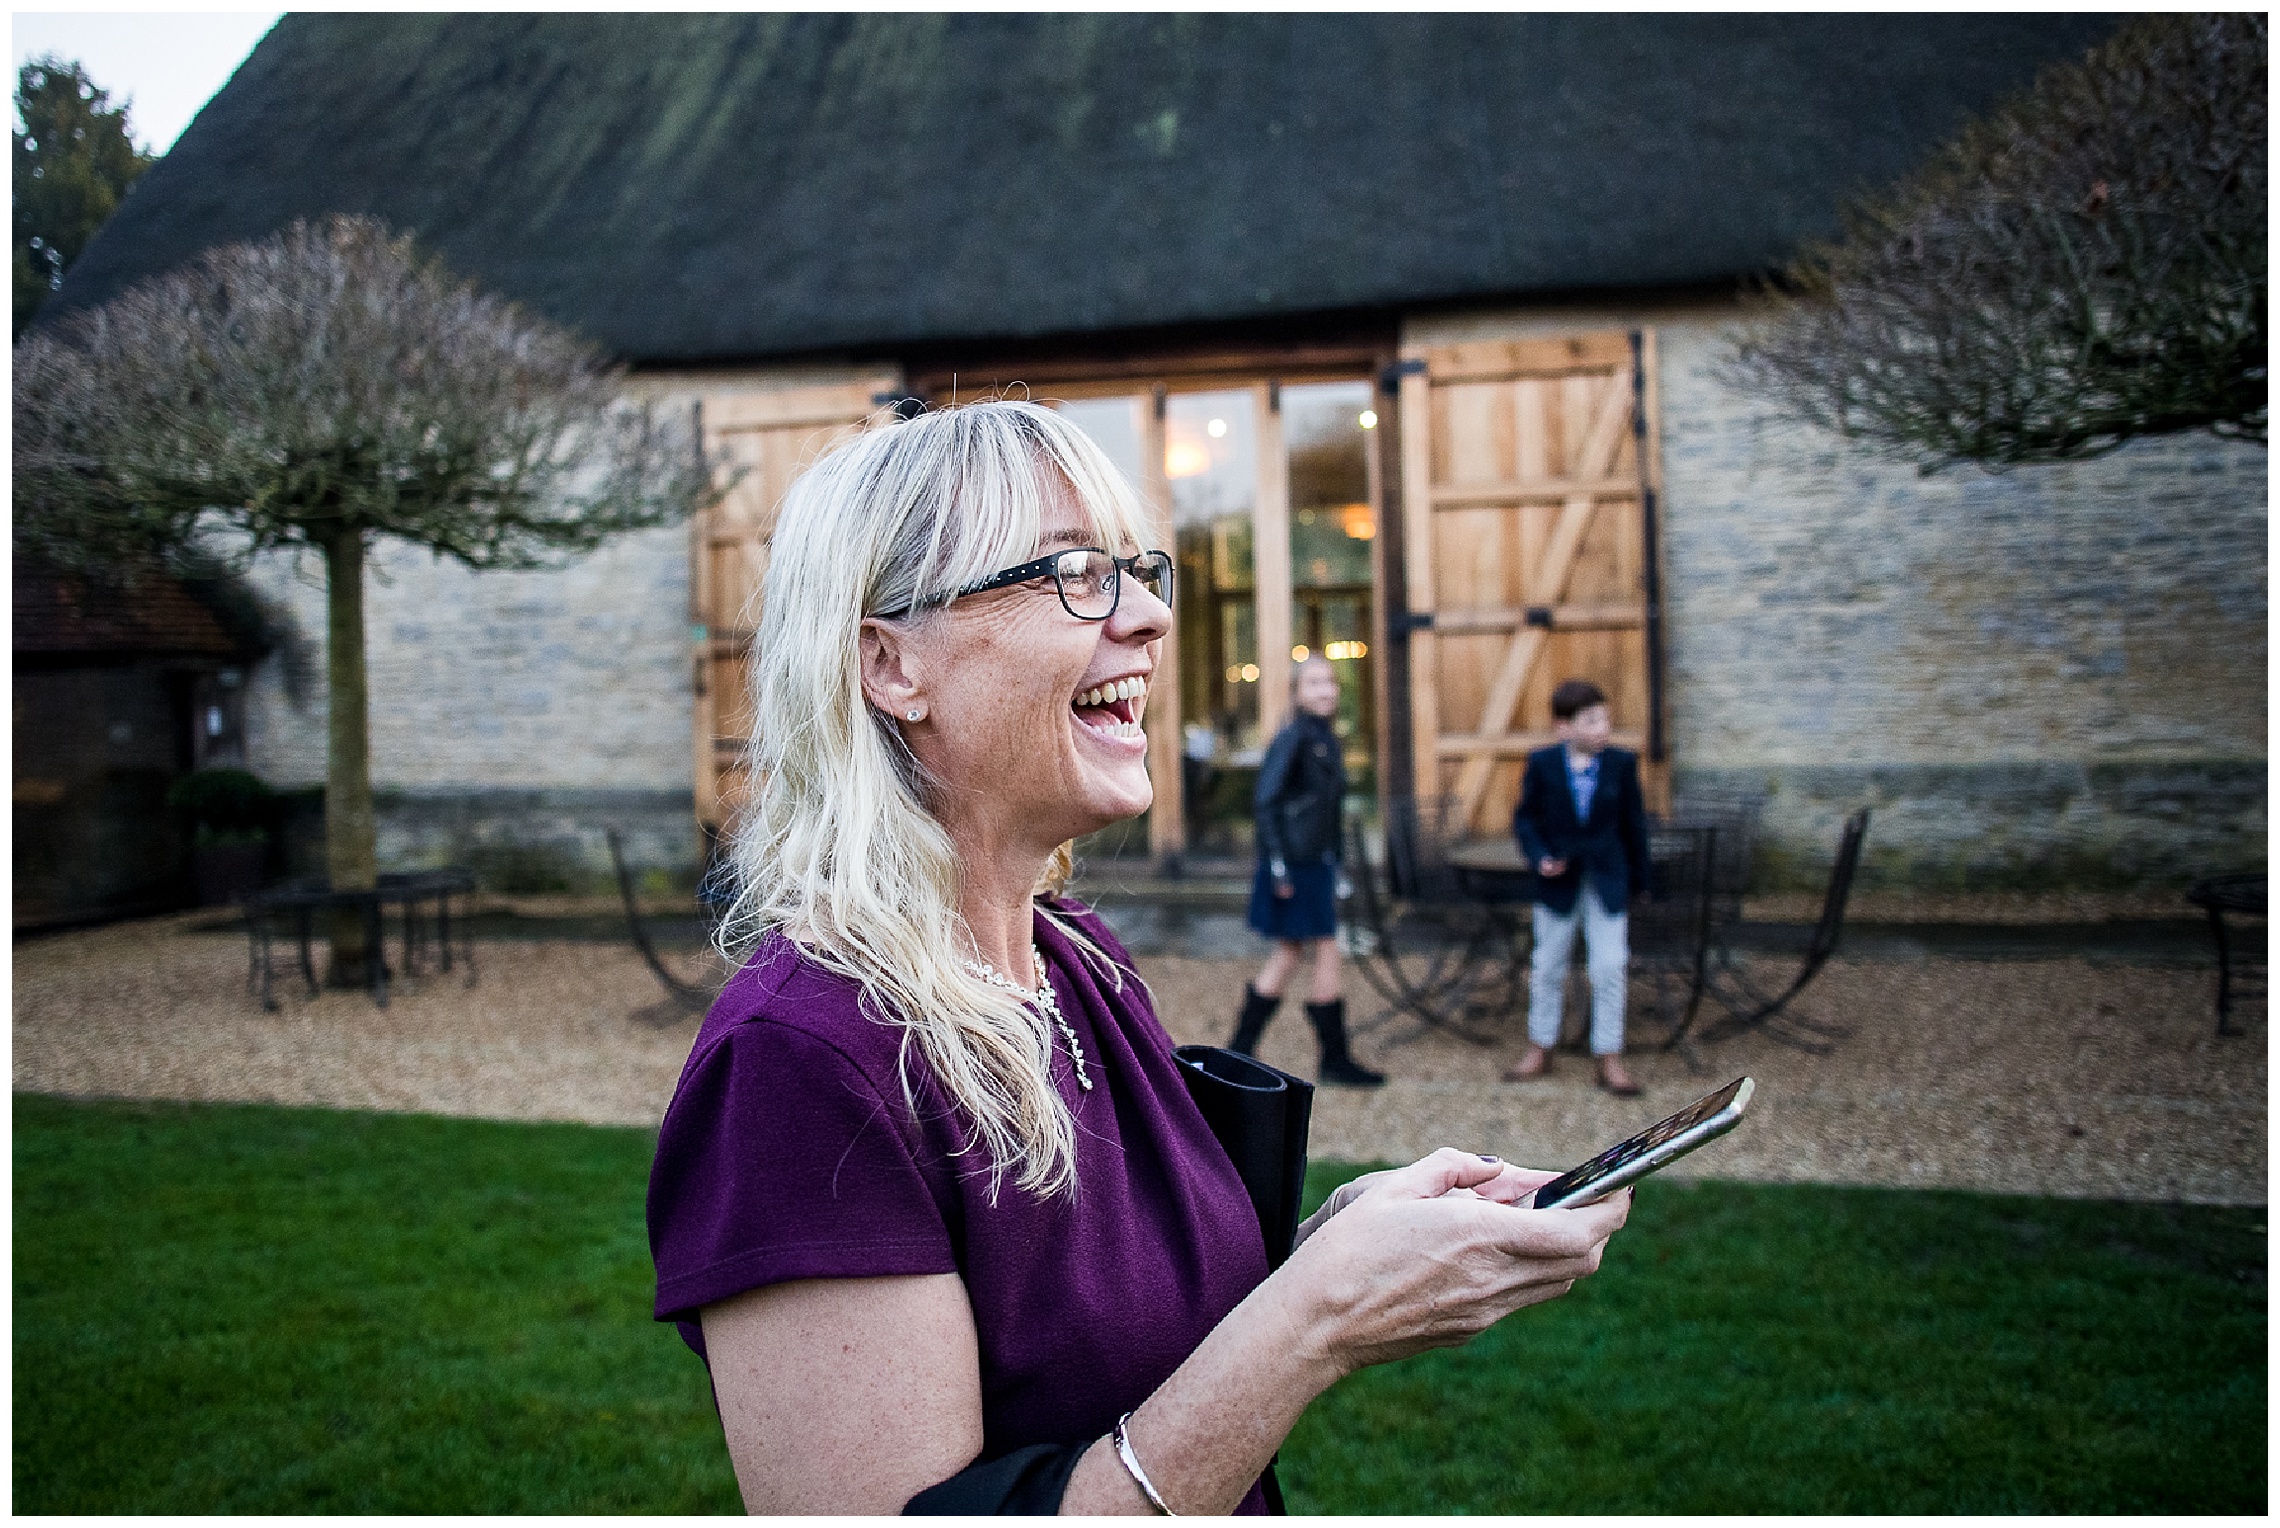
x,y
1389,380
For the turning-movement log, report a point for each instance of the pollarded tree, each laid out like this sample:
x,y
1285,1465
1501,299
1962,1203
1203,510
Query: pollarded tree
x,y
2085,265
321,389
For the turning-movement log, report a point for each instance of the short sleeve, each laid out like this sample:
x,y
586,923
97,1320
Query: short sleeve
x,y
780,1159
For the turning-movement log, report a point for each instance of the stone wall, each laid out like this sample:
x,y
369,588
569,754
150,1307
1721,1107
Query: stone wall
x,y
2054,676
2051,676
514,715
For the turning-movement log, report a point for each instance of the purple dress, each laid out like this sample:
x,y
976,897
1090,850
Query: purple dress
x,y
789,1153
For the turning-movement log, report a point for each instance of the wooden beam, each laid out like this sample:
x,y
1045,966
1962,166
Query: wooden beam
x,y
1417,571
1513,745
1270,561
1167,815
1539,490
727,412
1512,360
1480,622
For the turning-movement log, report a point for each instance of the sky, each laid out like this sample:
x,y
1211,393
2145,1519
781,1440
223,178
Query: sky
x,y
167,64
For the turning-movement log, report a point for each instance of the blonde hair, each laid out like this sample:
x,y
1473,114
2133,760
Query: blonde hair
x,y
836,847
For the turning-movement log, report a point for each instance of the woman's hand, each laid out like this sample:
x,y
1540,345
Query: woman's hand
x,y
1423,1256
1432,1254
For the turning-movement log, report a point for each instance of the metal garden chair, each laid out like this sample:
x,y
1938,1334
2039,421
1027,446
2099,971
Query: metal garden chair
x,y
691,997
1431,939
1751,1008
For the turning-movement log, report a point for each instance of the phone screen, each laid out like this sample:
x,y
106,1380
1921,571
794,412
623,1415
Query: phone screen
x,y
1625,1152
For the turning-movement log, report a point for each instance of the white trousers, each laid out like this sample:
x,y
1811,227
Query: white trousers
x,y
1607,947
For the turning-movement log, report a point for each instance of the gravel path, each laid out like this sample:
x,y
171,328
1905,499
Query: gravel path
x,y
2045,1077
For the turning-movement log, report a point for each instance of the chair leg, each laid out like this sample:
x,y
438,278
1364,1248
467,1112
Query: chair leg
x,y
2224,972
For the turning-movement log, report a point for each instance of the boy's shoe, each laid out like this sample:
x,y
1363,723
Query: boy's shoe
x,y
1616,1079
1534,1062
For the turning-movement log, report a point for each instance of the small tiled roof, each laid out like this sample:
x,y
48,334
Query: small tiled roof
x,y
58,613
727,185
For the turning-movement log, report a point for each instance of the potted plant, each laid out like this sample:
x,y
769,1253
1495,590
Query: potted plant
x,y
230,809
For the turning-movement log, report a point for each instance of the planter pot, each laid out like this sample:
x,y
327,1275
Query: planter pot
x,y
227,872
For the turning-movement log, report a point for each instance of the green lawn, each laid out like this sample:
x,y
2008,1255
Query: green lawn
x,y
245,1309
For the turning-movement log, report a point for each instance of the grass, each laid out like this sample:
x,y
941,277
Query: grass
x,y
1789,1349
258,1310
244,1309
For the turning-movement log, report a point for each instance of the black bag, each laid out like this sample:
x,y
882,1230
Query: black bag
x,y
1260,1115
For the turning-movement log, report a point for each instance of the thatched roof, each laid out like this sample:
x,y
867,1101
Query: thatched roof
x,y
722,186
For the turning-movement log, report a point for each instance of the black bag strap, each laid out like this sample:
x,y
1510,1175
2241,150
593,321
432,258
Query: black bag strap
x,y
1029,1482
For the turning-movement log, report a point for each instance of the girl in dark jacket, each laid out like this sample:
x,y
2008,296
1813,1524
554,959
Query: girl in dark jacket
x,y
1294,895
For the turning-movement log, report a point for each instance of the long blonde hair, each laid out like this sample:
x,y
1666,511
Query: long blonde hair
x,y
836,847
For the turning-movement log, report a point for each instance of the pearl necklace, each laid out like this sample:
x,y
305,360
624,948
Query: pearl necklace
x,y
1046,1002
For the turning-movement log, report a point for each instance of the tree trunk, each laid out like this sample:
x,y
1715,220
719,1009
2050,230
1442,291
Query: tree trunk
x,y
350,858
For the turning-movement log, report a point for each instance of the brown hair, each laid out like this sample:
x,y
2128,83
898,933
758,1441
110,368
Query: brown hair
x,y
1574,695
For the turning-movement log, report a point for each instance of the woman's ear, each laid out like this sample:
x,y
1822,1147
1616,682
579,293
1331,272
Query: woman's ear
x,y
888,683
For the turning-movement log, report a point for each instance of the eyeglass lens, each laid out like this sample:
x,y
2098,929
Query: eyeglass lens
x,y
1088,580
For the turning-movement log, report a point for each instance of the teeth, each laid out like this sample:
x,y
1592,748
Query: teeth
x,y
1120,689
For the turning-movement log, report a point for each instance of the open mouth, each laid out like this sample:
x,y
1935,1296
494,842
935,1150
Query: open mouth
x,y
1113,708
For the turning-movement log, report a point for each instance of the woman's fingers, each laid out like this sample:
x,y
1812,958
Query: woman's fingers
x,y
1555,1234
1430,1177
1513,1184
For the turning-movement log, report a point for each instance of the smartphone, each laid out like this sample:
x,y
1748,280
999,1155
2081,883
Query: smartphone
x,y
1657,1146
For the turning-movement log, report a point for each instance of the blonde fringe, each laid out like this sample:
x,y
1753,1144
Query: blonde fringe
x,y
836,848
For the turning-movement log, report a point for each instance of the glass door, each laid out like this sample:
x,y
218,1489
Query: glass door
x,y
1268,493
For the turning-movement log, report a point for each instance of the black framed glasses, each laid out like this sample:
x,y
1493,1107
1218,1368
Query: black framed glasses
x,y
1089,580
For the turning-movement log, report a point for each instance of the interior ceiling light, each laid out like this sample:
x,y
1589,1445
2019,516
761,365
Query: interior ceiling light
x,y
1185,459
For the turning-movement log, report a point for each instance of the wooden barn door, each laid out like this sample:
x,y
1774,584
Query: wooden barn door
x,y
772,435
1526,492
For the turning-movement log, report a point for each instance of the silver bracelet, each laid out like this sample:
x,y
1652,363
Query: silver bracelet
x,y
1131,1463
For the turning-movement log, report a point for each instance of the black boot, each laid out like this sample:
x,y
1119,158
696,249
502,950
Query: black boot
x,y
1338,1068
1252,1021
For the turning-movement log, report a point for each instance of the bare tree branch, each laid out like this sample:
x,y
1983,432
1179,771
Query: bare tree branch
x,y
2084,266
320,389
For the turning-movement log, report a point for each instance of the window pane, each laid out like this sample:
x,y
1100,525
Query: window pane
x,y
1211,460
1326,433
1114,426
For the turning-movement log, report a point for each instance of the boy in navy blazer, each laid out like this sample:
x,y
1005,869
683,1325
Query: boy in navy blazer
x,y
1582,825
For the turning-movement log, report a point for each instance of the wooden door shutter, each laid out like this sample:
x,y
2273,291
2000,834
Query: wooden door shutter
x,y
772,435
1525,495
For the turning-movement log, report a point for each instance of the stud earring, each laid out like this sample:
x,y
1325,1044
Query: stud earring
x,y
913,714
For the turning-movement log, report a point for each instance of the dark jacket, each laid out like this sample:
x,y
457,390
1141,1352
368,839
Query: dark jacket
x,y
1609,849
1302,785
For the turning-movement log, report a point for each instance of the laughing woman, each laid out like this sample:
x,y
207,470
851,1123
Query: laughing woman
x,y
931,1199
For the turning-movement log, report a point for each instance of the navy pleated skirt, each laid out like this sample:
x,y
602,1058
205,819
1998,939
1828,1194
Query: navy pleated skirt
x,y
1311,914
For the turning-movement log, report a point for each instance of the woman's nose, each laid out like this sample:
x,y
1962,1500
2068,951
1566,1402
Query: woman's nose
x,y
1140,616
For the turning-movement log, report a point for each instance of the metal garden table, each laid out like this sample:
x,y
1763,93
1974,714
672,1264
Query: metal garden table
x,y
299,902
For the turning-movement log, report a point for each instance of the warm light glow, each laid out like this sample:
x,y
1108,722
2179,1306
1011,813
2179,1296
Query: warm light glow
x,y
1300,653
1339,652
1184,459
1357,522
1369,419
1216,429
1250,673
